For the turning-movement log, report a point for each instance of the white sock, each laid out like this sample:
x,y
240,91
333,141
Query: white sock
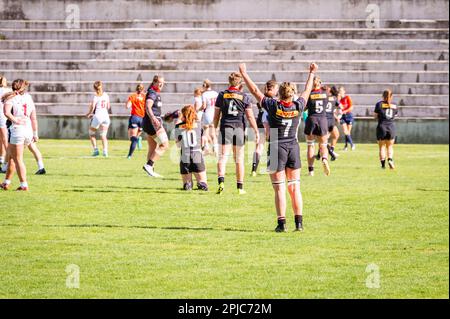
x,y
24,184
40,164
2,159
7,182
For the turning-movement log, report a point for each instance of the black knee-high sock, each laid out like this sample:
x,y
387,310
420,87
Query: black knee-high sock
x,y
346,140
134,141
256,158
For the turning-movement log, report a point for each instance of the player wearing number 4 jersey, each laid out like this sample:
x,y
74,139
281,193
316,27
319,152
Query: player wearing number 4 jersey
x,y
284,153
385,113
232,106
189,139
21,113
316,126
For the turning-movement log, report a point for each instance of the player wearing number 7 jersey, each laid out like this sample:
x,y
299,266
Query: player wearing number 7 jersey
x,y
189,139
232,106
23,127
385,113
284,152
316,126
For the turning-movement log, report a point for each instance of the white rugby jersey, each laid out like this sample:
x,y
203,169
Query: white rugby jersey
x,y
3,91
22,107
101,105
209,97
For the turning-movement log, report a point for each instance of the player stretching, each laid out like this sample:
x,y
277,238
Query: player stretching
x,y
157,139
3,129
136,102
189,137
100,121
316,126
270,90
284,151
347,117
20,110
232,106
209,98
385,113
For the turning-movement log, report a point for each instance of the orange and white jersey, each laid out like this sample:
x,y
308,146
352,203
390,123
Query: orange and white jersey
x,y
101,105
22,107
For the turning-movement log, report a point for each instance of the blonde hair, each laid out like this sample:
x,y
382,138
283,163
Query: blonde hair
x,y
287,90
3,82
190,116
139,88
198,91
98,87
235,79
18,86
207,84
387,95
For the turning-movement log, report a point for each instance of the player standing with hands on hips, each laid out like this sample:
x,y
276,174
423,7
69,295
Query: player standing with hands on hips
x,y
284,152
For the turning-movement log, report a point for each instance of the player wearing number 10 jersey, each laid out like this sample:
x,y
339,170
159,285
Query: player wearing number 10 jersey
x,y
189,139
385,113
316,126
232,106
284,153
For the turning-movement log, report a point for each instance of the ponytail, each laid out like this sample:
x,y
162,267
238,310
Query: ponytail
x,y
190,116
18,87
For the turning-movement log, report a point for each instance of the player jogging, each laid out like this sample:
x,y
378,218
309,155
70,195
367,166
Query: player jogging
x,y
136,102
100,121
20,110
284,151
189,138
347,119
157,139
232,106
270,90
209,98
316,126
385,113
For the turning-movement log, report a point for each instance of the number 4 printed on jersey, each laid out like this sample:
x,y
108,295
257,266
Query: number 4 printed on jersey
x,y
232,109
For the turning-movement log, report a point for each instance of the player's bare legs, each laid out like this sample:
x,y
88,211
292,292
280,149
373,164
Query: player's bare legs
x,y
323,145
279,186
293,186
224,153
202,180
151,147
310,153
38,157
104,137
3,144
16,164
93,139
187,181
238,152
334,137
390,153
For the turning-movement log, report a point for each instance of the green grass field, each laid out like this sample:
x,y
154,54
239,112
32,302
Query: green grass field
x,y
136,237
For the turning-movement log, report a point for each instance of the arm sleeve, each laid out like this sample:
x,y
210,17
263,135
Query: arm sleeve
x,y
247,101
151,96
302,103
377,108
219,100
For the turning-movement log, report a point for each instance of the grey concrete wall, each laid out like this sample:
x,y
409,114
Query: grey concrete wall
x,y
413,131
224,9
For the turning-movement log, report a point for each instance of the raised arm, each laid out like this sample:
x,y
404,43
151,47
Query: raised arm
x,y
309,82
252,87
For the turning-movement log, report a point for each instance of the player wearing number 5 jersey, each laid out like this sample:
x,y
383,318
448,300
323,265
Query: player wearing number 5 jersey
x,y
100,121
385,113
316,126
284,154
23,130
189,139
232,106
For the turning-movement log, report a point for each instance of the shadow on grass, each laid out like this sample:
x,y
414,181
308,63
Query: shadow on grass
x,y
148,227
432,190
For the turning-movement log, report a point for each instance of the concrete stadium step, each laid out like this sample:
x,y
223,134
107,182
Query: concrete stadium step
x,y
184,87
119,109
221,75
241,24
183,98
191,65
233,44
411,55
214,33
